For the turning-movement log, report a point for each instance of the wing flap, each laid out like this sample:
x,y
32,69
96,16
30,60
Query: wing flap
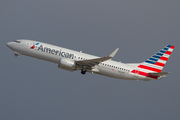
x,y
93,61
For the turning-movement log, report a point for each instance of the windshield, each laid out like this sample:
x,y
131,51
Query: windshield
x,y
17,41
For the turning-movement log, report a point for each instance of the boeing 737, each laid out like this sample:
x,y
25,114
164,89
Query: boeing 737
x,y
73,60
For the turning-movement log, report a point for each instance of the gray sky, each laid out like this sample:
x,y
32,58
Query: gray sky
x,y
32,89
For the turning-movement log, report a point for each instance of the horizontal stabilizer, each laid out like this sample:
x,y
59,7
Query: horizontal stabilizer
x,y
159,74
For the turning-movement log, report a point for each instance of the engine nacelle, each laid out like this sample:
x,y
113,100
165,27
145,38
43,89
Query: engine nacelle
x,y
67,64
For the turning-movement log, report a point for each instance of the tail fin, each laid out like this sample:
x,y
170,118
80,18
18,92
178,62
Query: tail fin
x,y
155,63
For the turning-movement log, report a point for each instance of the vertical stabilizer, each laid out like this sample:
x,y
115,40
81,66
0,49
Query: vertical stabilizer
x,y
155,63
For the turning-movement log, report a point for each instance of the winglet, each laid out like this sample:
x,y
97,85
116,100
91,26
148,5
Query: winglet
x,y
113,53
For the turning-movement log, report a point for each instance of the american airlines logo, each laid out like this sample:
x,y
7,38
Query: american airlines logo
x,y
53,51
34,46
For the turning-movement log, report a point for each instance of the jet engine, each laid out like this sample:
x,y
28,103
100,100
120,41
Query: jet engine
x,y
66,64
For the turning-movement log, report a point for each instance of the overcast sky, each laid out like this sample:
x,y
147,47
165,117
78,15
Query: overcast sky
x,y
32,89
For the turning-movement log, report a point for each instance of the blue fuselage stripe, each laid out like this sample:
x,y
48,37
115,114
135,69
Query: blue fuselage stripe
x,y
151,62
165,48
156,56
162,51
160,54
153,59
169,46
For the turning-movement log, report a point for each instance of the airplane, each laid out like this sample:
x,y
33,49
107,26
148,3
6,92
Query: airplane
x,y
72,60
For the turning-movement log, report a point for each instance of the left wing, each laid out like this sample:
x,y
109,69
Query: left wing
x,y
88,64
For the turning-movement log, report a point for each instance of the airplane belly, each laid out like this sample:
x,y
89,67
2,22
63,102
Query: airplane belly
x,y
111,73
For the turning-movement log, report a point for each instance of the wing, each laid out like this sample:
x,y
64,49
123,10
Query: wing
x,y
88,64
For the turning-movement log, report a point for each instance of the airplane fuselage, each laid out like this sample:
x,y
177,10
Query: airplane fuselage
x,y
69,60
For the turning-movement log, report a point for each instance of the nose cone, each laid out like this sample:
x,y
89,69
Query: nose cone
x,y
9,44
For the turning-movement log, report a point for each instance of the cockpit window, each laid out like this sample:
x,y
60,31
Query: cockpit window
x,y
17,41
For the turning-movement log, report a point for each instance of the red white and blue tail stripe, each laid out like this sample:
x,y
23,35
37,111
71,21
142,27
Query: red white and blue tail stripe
x,y
155,63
